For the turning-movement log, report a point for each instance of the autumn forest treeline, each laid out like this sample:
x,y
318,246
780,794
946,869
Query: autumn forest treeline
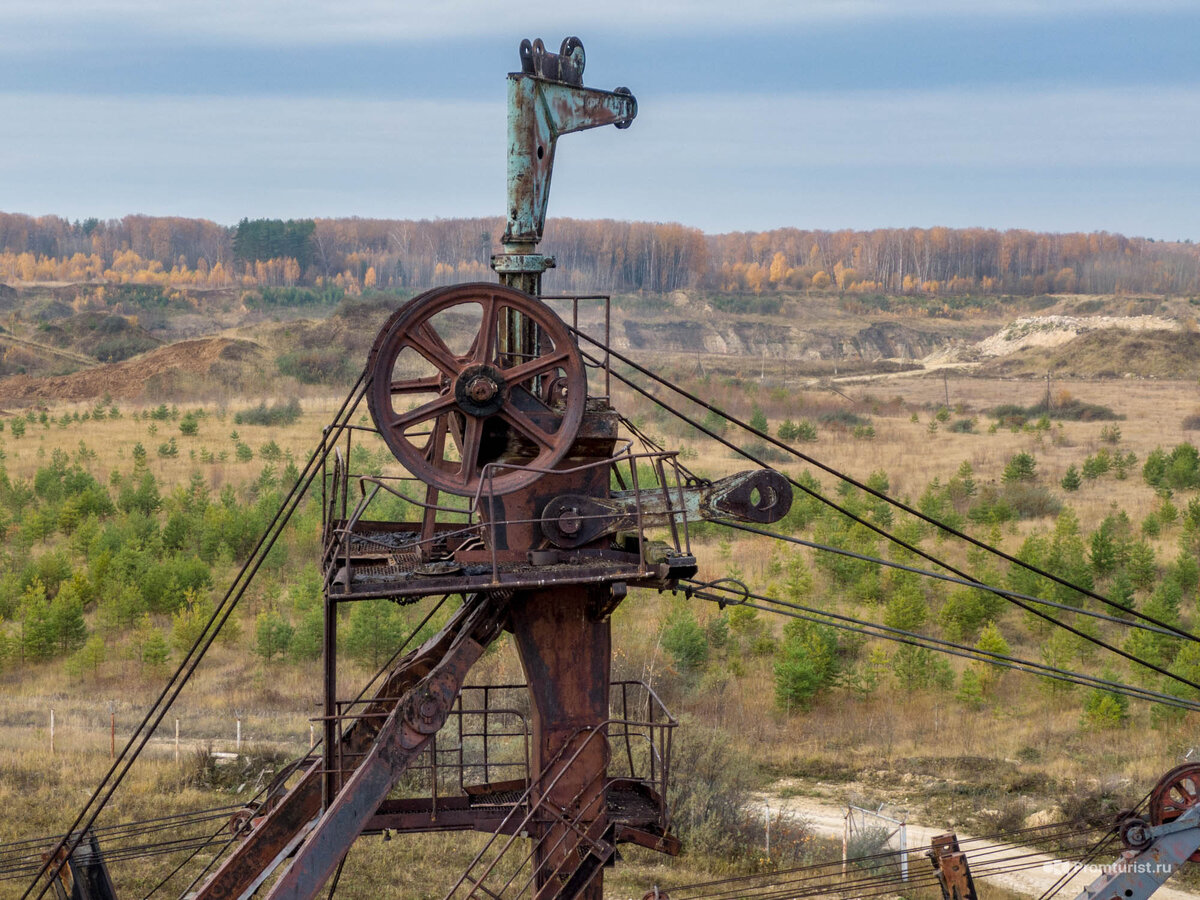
x,y
592,255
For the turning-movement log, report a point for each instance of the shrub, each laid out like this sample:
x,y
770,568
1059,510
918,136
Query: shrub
x,y
758,420
1020,467
329,366
715,422
684,639
759,450
272,634
188,425
709,806
867,848
808,662
1070,480
1031,501
1105,710
1178,470
276,414
842,418
1067,409
970,690
803,430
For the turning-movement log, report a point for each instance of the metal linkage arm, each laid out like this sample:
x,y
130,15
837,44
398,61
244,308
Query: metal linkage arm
x,y
1157,851
418,690
404,734
547,99
759,495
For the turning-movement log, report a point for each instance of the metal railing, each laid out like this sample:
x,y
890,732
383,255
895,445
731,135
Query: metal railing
x,y
486,742
629,471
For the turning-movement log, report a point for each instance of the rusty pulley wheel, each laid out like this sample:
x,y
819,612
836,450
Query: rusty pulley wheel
x,y
1177,792
457,380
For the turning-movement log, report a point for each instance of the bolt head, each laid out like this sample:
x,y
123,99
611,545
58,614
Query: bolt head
x,y
568,522
481,389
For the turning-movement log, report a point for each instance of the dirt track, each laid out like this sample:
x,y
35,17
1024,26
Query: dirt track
x,y
827,820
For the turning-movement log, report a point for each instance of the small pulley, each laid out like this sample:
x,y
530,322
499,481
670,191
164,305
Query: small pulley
x,y
476,374
1176,793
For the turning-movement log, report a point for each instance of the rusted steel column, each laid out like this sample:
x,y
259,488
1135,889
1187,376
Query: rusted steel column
x,y
567,661
331,782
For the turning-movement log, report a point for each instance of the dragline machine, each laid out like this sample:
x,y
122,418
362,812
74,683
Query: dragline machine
x,y
481,392
520,496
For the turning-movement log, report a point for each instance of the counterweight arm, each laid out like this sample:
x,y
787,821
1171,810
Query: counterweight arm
x,y
1140,872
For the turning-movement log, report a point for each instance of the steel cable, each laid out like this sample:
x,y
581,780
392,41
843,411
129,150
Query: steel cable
x,y
871,629
916,550
141,735
982,545
939,576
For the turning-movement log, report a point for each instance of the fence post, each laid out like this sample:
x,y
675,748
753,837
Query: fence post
x,y
238,744
52,731
767,808
845,839
903,851
112,730
176,741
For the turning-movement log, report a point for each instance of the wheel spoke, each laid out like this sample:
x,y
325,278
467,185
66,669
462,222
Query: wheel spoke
x,y
422,412
426,341
517,418
483,350
535,367
432,384
435,450
472,433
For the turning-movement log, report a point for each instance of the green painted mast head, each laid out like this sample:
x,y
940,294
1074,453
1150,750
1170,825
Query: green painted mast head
x,y
545,99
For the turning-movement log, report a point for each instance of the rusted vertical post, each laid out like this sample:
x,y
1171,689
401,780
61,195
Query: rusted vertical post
x,y
329,659
566,656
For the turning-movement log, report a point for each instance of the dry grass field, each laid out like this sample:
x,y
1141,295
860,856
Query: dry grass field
x,y
924,749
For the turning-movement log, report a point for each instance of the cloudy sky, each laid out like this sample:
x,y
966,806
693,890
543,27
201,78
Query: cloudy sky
x,y
1045,114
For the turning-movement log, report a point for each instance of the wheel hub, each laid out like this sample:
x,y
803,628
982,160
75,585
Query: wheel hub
x,y
480,390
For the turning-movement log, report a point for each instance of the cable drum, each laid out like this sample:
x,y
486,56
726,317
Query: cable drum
x,y
473,374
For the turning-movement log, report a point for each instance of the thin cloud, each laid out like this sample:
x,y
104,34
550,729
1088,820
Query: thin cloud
x,y
275,22
1120,159
978,127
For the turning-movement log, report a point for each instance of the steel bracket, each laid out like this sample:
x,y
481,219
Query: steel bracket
x,y
545,100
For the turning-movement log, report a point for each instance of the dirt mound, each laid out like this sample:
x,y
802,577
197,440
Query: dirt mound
x,y
127,380
1055,331
1110,353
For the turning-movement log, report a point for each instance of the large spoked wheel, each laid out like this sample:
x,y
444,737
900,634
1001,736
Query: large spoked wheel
x,y
473,374
1175,794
